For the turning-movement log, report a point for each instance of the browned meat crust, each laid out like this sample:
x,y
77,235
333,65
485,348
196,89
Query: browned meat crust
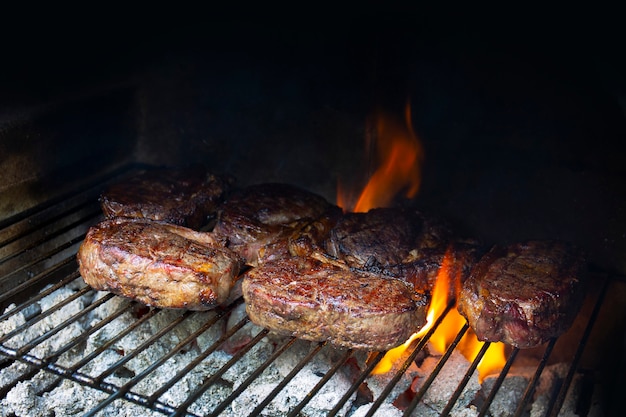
x,y
525,293
317,301
183,196
257,220
158,264
401,243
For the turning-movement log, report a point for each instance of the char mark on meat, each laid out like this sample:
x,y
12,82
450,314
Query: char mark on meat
x,y
259,220
317,301
158,264
400,243
182,196
524,294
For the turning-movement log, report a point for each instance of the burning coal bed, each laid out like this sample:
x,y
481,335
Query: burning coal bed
x,y
107,350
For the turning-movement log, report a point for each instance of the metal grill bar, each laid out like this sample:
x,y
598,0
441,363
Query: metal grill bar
x,y
355,386
38,278
288,378
436,371
530,389
278,352
555,406
25,348
422,342
126,388
86,380
88,358
466,378
128,356
40,295
498,383
218,374
323,381
199,358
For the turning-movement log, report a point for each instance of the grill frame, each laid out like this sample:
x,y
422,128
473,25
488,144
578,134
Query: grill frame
x,y
33,265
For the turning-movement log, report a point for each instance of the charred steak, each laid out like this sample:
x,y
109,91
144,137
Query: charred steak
x,y
158,264
183,196
401,243
525,293
259,217
317,301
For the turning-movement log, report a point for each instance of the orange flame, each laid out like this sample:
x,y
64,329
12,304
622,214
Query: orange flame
x,y
401,155
443,336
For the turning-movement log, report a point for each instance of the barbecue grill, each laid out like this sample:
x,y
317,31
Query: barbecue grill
x,y
520,143
54,330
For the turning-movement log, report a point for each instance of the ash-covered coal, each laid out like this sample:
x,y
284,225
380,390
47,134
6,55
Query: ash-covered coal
x,y
171,353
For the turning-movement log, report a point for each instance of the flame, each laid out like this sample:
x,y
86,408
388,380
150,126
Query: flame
x,y
443,336
400,155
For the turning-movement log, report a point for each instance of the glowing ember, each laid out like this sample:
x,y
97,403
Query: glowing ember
x,y
400,156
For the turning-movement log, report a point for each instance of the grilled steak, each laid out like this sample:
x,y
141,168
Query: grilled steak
x,y
258,219
183,196
400,243
158,264
524,294
317,301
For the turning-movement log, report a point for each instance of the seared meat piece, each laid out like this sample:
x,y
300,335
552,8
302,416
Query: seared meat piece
x,y
400,243
383,237
258,219
158,264
317,301
183,196
525,293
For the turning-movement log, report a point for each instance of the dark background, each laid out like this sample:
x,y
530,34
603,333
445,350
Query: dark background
x,y
521,111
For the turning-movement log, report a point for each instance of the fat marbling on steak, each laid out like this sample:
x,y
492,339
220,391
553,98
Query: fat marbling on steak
x,y
313,300
182,196
523,294
158,264
258,220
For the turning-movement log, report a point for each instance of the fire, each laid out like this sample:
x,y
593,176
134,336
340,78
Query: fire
x,y
400,155
442,337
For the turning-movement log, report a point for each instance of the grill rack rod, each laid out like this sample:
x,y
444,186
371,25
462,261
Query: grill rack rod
x,y
556,405
253,376
217,375
420,345
496,386
442,361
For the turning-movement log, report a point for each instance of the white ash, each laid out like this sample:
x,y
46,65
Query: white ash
x,y
510,393
445,384
377,383
296,390
46,394
385,410
50,322
549,381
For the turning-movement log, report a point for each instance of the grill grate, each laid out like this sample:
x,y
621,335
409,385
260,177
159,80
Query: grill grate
x,y
119,356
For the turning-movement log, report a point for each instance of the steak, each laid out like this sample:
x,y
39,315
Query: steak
x,y
182,196
401,243
525,293
158,264
258,220
313,300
